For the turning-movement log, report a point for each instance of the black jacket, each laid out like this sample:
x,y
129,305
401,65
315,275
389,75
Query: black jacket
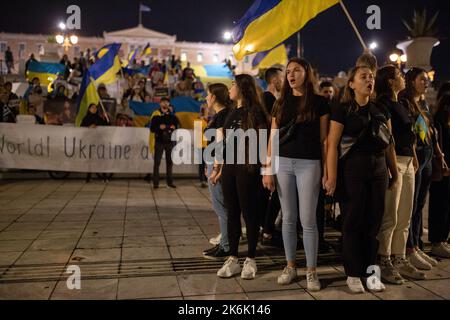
x,y
164,135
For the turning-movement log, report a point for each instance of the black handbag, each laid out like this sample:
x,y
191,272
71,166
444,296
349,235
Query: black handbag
x,y
379,132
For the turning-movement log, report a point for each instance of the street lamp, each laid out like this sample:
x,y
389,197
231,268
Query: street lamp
x,y
62,26
227,35
65,40
373,45
399,59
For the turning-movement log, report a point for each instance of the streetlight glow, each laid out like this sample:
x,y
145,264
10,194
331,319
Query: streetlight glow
x,y
59,39
393,57
74,39
227,35
373,45
62,26
403,58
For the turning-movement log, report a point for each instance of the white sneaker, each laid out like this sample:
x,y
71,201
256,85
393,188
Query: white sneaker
x,y
249,270
375,285
406,269
230,268
355,285
427,258
441,250
312,281
215,240
288,276
418,262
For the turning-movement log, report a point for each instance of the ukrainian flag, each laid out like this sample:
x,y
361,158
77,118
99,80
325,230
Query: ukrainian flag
x,y
147,51
103,71
143,115
269,22
131,56
187,110
266,59
212,73
46,72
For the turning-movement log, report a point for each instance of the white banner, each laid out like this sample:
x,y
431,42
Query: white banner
x,y
61,148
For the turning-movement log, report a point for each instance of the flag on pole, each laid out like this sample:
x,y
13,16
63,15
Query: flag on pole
x,y
269,22
103,71
144,8
147,51
267,59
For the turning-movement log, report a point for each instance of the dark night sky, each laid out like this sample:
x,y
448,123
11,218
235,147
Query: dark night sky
x,y
329,41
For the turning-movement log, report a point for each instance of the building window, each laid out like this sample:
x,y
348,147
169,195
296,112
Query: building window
x,y
22,48
216,57
3,47
199,57
183,56
40,49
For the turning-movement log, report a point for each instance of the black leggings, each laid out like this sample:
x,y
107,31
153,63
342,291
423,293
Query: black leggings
x,y
365,182
240,191
439,211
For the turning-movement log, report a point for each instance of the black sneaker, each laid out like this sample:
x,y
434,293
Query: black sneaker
x,y
171,186
155,186
211,249
218,254
270,242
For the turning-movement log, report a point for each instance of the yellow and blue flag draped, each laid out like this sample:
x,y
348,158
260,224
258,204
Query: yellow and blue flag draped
x,y
210,73
186,109
46,72
269,22
267,59
103,71
421,128
143,115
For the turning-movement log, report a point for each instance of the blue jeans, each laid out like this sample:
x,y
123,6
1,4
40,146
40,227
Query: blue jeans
x,y
219,207
299,179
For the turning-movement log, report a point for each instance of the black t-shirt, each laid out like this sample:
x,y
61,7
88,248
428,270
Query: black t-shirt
x,y
269,101
217,122
305,142
402,125
167,119
355,122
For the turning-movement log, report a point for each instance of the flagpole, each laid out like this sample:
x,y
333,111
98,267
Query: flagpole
x,y
140,14
353,24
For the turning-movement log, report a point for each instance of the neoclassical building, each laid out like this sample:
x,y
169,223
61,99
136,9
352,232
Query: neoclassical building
x,y
163,45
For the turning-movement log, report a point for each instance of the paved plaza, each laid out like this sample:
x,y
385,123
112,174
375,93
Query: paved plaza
x,y
133,242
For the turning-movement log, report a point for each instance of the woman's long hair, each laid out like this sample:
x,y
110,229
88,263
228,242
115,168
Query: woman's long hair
x,y
256,117
348,98
383,88
220,91
408,95
304,112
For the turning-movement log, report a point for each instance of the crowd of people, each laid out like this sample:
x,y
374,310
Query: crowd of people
x,y
375,146
368,140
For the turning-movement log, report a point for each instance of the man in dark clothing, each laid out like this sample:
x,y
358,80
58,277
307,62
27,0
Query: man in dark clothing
x,y
9,59
163,126
271,202
6,114
27,64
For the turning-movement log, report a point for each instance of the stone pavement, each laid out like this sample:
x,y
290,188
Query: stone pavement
x,y
132,242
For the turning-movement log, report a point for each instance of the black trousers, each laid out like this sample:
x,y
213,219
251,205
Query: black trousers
x,y
241,188
439,211
365,182
320,215
160,148
422,186
201,169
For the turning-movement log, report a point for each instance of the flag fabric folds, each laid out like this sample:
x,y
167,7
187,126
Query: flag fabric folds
x,y
267,59
103,71
269,22
46,72
147,51
144,8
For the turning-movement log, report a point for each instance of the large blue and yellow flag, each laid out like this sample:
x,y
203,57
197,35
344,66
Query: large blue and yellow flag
x,y
46,72
267,59
269,22
103,71
211,73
